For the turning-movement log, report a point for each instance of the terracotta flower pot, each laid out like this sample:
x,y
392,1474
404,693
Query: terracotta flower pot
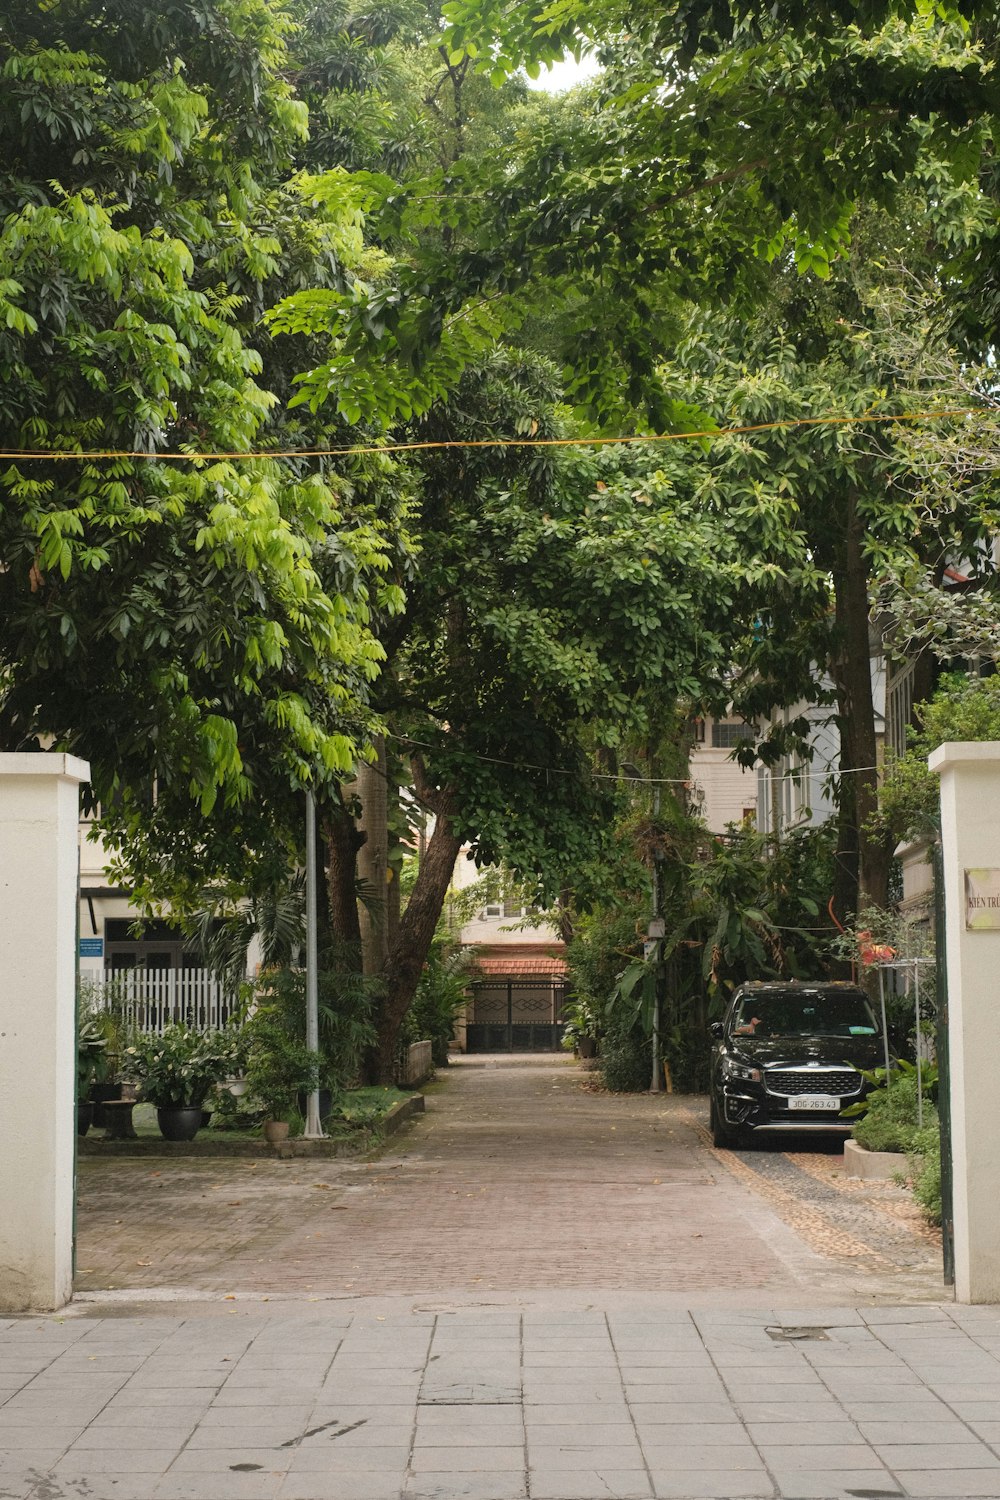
x,y
275,1131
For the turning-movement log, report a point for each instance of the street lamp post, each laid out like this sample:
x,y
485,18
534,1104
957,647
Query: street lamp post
x,y
313,1129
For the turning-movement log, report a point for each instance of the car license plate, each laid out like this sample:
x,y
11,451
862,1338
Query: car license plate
x,y
814,1101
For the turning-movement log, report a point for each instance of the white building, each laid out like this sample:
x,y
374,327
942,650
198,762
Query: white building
x,y
519,988
798,791
722,791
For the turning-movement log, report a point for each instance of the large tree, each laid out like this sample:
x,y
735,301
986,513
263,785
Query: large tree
x,y
560,602
699,156
204,624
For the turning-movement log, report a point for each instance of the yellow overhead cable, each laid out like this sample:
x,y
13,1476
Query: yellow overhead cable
x,y
358,450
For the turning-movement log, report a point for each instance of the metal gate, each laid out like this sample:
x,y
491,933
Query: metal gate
x,y
516,1015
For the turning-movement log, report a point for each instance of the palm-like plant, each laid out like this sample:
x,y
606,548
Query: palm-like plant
x,y
225,927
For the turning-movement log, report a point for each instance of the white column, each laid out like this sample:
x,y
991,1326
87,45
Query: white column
x,y
39,817
970,839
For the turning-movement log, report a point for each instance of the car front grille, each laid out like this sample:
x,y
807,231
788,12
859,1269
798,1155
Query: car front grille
x,y
839,1081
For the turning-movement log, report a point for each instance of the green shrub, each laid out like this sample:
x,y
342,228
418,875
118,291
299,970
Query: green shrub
x,y
890,1123
440,994
925,1164
181,1066
345,1025
279,1064
626,1060
231,1113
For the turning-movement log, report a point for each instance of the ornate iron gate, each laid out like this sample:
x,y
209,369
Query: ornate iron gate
x,y
516,1015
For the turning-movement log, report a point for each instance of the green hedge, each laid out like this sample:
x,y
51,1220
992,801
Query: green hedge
x,y
626,1060
890,1123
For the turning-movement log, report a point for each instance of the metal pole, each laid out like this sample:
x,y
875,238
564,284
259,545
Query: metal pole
x,y
313,1129
656,1083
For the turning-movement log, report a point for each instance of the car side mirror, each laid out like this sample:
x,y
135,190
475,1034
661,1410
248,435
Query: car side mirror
x,y
716,1029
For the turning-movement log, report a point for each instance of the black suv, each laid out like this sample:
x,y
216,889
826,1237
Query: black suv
x,y
787,1057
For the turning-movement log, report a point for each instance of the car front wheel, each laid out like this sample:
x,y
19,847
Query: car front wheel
x,y
723,1135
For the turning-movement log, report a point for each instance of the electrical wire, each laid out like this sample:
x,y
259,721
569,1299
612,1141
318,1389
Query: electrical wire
x,y
520,765
27,455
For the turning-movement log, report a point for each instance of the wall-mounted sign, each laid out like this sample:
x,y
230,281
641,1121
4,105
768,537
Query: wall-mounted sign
x,y
91,947
982,900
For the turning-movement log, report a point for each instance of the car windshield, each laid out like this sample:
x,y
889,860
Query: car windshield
x,y
805,1013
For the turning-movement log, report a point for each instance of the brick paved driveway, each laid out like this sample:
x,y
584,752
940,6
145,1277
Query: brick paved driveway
x,y
517,1179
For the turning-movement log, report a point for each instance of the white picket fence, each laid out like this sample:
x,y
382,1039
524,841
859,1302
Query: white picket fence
x,y
150,999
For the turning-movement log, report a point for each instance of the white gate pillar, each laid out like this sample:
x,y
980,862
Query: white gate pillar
x,y
970,843
39,821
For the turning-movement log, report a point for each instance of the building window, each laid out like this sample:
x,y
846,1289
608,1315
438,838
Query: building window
x,y
728,732
160,947
899,707
508,909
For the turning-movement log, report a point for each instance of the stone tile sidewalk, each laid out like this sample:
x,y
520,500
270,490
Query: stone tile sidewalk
x,y
643,1401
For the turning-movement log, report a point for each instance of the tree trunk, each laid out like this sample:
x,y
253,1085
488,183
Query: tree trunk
x,y
417,925
342,840
373,862
564,916
863,858
394,892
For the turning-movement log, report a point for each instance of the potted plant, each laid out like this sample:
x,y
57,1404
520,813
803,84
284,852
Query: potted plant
x,y
176,1071
581,1029
91,1067
101,1008
279,1065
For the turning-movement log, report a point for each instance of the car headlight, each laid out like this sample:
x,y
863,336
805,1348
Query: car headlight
x,y
743,1071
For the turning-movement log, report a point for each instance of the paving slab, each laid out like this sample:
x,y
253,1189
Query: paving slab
x,y
588,1484
405,1444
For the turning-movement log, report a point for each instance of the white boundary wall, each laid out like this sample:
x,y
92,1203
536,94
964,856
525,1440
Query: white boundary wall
x,y
970,839
39,800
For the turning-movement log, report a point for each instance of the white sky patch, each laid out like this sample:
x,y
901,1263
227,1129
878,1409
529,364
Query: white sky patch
x,y
565,75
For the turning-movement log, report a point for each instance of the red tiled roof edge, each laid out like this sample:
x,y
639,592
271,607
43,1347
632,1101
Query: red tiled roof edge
x,y
540,963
